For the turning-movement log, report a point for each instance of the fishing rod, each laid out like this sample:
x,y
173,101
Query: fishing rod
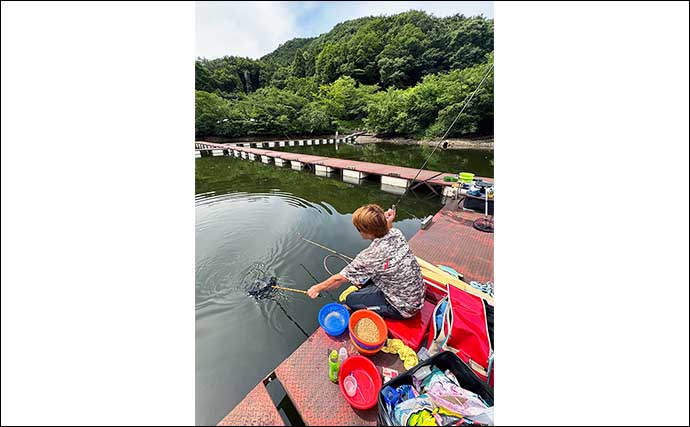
x,y
334,254
466,103
325,248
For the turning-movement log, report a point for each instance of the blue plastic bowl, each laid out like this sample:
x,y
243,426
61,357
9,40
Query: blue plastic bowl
x,y
334,318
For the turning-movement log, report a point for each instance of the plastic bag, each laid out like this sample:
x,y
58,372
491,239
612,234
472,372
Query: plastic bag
x,y
435,376
393,396
447,395
486,417
446,417
404,410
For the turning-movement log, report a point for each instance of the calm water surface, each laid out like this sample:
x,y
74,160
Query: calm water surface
x,y
249,212
479,162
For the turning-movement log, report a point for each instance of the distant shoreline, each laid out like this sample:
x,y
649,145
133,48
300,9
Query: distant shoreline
x,y
486,143
453,143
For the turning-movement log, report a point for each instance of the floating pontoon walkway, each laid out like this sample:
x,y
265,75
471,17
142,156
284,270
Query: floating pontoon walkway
x,y
256,409
393,178
452,240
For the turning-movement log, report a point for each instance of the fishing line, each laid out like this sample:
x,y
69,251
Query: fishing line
x,y
260,288
466,103
309,273
323,247
325,261
255,284
291,319
316,281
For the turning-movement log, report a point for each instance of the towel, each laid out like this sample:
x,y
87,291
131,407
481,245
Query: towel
x,y
407,355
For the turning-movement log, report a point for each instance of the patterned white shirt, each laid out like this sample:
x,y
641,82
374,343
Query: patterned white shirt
x,y
392,267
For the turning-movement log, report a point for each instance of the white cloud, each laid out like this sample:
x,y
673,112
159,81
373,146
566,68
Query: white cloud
x,y
250,29
254,29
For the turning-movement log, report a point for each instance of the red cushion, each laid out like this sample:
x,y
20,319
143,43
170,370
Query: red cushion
x,y
411,331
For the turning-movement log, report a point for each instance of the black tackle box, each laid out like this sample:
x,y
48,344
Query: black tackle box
x,y
445,360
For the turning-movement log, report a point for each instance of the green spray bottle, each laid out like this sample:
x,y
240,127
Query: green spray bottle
x,y
333,366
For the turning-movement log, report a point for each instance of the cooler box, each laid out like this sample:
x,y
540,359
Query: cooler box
x,y
478,204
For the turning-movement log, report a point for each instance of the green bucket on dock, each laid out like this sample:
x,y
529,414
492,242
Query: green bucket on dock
x,y
466,177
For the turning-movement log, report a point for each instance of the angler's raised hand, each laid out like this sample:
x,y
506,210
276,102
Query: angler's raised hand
x,y
390,216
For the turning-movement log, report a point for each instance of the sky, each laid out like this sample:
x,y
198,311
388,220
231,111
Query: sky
x,y
254,29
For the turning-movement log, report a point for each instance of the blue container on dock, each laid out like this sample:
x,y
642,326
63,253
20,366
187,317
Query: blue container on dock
x,y
334,318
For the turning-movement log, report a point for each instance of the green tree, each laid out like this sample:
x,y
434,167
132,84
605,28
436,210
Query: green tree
x,y
427,65
210,109
315,118
328,62
388,112
203,78
400,61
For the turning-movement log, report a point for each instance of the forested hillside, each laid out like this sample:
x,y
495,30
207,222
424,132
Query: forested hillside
x,y
404,74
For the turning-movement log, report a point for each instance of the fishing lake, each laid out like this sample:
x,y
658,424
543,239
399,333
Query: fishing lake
x,y
250,215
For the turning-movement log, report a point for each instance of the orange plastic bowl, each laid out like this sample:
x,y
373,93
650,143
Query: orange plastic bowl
x,y
368,348
362,351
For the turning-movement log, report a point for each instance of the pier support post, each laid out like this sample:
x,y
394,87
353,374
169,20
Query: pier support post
x,y
393,189
395,182
265,159
351,180
354,174
294,164
217,152
324,169
279,162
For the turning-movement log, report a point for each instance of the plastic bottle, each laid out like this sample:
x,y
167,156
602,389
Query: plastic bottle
x,y
342,354
333,366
